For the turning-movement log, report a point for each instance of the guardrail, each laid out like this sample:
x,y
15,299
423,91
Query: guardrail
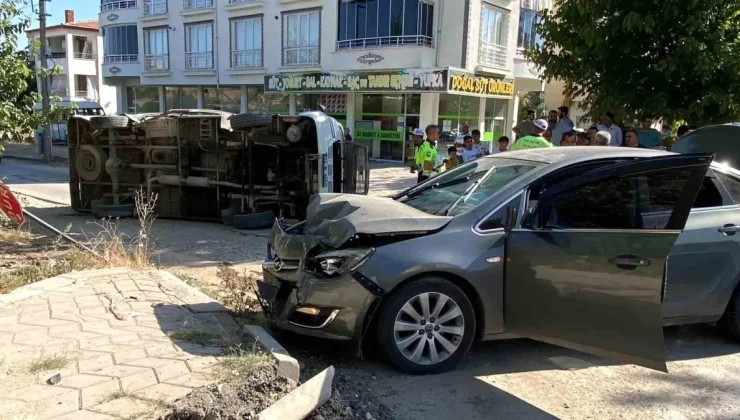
x,y
155,7
157,62
118,5
385,41
300,56
121,58
199,60
492,55
196,4
244,59
84,56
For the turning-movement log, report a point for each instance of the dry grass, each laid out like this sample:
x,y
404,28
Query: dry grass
x,y
238,295
45,363
35,258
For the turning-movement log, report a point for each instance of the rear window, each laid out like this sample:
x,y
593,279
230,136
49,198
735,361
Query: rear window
x,y
731,185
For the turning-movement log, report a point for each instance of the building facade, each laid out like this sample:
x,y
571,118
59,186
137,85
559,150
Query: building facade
x,y
75,46
381,67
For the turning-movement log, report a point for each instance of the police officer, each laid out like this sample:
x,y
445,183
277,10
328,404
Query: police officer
x,y
418,136
428,151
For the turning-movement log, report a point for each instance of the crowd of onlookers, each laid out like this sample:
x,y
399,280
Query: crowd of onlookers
x,y
558,130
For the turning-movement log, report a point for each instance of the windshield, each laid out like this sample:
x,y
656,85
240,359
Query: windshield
x,y
463,189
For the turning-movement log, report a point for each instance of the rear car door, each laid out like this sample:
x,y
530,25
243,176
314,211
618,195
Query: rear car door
x,y
704,266
585,269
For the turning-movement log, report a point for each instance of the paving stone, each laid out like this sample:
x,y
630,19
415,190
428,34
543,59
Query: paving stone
x,y
126,286
117,371
57,405
108,331
192,380
125,407
165,392
199,350
91,343
64,330
123,356
85,415
202,364
96,310
95,363
9,320
165,368
99,393
82,380
29,334
95,325
35,393
45,322
161,349
141,380
83,299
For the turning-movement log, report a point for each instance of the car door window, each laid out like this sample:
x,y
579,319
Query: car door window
x,y
497,220
731,185
638,201
708,196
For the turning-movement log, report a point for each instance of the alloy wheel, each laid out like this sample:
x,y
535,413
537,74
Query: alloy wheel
x,y
429,328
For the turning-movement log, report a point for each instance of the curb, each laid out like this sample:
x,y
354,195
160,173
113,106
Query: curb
x,y
287,366
302,401
58,160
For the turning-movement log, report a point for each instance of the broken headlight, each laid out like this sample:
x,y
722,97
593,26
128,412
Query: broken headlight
x,y
336,263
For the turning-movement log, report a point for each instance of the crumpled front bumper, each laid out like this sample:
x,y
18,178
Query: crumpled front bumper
x,y
343,303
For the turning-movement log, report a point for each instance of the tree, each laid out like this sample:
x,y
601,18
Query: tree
x,y
679,59
17,119
532,100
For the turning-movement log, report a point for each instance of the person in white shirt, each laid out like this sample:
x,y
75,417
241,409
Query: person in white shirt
x,y
564,125
615,133
461,134
481,147
503,145
469,153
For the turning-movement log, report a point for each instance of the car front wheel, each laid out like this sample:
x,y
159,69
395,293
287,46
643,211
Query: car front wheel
x,y
427,326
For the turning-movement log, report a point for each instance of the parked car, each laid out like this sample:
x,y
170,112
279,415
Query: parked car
x,y
590,248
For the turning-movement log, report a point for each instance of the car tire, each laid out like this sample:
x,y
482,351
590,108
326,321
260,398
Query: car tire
x,y
109,121
261,220
249,120
398,327
730,321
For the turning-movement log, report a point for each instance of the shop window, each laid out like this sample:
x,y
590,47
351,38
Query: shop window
x,y
455,111
380,23
181,98
142,99
224,99
335,104
276,103
495,119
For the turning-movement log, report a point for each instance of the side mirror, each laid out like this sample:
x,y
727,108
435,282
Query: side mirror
x,y
511,213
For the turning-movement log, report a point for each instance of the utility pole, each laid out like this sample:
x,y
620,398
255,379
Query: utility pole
x,y
45,140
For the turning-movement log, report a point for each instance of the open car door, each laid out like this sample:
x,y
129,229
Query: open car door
x,y
585,268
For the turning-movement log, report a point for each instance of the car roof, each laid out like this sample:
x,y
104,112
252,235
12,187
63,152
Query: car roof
x,y
578,153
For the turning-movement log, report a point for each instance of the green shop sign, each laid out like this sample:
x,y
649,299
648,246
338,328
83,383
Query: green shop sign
x,y
387,135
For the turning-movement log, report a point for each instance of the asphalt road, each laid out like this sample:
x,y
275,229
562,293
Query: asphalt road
x,y
516,379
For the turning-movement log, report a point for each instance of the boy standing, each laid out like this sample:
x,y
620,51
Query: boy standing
x,y
469,154
503,145
452,161
477,145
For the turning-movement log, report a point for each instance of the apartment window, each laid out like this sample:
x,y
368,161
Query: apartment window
x,y
196,4
155,7
120,44
81,86
58,86
246,42
301,35
374,23
199,46
528,37
156,49
493,49
108,5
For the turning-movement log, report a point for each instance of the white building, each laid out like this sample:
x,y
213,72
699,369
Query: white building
x,y
75,46
382,67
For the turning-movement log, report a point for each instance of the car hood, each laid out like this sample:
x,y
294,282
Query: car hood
x,y
333,219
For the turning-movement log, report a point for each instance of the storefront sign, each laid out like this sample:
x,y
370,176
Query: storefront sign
x,y
412,80
479,85
387,135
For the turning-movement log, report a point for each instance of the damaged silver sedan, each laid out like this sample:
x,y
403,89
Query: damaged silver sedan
x,y
568,246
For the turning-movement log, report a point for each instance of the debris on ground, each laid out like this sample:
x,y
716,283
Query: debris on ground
x,y
242,399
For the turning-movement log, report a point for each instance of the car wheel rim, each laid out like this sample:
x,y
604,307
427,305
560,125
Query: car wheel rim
x,y
429,328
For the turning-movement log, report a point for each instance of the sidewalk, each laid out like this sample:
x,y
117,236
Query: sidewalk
x,y
30,152
115,360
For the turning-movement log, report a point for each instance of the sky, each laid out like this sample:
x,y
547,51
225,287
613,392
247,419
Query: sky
x,y
84,10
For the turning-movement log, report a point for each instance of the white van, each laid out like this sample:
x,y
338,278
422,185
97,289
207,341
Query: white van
x,y
59,128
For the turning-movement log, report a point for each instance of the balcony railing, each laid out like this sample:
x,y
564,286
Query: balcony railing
x,y
80,94
117,5
241,1
155,7
492,55
121,58
58,54
245,59
84,56
196,4
58,92
199,60
385,41
154,62
300,56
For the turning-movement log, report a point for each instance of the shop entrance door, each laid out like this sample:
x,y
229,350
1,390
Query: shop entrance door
x,y
384,124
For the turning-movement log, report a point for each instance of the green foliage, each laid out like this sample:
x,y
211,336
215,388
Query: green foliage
x,y
679,59
17,119
532,100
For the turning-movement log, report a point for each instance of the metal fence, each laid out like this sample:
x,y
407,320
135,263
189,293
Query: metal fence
x,y
123,58
117,5
84,56
492,55
157,62
245,59
155,7
196,4
385,41
199,60
300,56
